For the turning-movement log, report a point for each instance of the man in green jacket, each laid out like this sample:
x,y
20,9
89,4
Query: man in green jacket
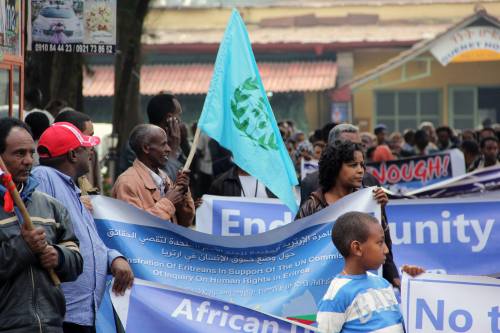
x,y
29,300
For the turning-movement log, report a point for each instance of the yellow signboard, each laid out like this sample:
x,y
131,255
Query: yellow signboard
x,y
477,55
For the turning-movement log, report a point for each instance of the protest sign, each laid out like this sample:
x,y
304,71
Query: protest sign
x,y
152,307
455,236
284,272
401,176
481,180
307,167
85,26
235,216
461,230
450,303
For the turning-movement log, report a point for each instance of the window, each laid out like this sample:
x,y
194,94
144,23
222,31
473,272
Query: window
x,y
403,109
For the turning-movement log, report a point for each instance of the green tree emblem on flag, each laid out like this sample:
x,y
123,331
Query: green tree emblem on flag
x,y
250,116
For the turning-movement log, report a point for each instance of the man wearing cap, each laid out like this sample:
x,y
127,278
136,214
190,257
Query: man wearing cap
x,y
29,300
64,156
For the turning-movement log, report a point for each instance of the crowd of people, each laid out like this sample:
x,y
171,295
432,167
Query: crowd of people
x,y
52,161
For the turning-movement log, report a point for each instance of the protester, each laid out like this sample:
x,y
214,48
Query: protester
x,y
357,300
164,110
423,146
446,139
38,123
489,154
380,132
238,183
469,135
64,157
90,183
367,141
428,127
471,152
342,132
55,106
29,300
408,148
341,172
396,143
318,148
146,186
382,153
486,133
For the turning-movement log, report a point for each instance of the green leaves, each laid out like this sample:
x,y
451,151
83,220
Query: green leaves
x,y
237,112
256,125
251,84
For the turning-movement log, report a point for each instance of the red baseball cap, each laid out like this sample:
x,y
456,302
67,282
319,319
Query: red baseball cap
x,y
62,137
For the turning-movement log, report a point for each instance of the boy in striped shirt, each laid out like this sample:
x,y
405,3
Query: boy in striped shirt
x,y
357,300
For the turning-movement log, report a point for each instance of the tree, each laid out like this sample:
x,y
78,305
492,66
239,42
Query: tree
x,y
57,75
126,106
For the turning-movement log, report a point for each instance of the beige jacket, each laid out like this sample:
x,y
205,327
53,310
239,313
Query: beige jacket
x,y
136,186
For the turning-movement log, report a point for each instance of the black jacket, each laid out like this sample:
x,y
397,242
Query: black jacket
x,y
317,202
228,184
29,301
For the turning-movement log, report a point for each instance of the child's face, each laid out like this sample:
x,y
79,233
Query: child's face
x,y
374,250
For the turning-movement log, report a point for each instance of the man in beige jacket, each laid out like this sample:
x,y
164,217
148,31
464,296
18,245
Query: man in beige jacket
x,y
146,186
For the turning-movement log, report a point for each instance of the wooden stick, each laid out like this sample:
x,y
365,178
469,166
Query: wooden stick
x,y
193,150
24,213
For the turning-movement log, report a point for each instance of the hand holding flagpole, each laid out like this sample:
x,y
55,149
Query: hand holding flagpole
x,y
11,187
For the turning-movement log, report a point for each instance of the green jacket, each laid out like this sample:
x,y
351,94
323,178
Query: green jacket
x,y
29,301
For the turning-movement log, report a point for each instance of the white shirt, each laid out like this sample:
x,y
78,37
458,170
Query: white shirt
x,y
252,188
159,180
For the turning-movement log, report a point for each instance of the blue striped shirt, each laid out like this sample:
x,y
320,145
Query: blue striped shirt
x,y
84,295
359,303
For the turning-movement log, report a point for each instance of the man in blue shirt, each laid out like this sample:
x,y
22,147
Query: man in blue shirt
x,y
64,156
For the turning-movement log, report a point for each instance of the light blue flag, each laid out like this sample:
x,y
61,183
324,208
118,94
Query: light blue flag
x,y
237,114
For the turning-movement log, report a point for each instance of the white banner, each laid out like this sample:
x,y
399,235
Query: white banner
x,y
237,216
450,303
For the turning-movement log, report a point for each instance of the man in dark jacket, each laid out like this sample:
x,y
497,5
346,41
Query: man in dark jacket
x,y
348,132
237,183
29,300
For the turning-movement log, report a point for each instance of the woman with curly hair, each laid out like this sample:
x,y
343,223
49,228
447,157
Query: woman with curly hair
x,y
341,171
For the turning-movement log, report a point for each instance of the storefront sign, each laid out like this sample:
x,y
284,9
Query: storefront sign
x,y
81,26
470,44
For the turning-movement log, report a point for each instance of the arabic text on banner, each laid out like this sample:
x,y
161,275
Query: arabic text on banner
x,y
284,272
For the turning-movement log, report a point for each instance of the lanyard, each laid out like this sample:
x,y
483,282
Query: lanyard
x,y
256,188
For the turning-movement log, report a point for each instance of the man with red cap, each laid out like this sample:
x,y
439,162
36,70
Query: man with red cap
x,y
64,156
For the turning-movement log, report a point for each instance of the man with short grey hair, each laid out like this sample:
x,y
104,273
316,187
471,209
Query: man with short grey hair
x,y
344,132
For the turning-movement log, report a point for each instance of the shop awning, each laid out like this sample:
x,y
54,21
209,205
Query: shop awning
x,y
194,79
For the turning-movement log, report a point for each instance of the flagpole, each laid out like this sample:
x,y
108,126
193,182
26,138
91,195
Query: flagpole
x,y
11,187
193,150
